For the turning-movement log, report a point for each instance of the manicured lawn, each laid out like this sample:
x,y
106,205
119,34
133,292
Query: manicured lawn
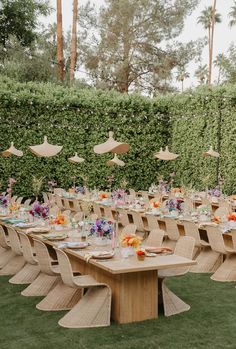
x,y
211,322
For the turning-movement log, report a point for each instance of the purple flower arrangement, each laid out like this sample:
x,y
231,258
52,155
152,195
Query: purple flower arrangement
x,y
174,204
80,190
39,210
118,196
4,200
102,228
215,192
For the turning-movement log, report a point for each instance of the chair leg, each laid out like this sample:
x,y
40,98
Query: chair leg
x,y
61,297
93,310
26,275
172,304
208,261
41,286
13,266
5,257
227,270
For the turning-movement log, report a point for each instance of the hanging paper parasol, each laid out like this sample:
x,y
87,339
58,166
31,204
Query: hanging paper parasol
x,y
76,159
12,151
45,149
111,146
212,153
166,155
115,161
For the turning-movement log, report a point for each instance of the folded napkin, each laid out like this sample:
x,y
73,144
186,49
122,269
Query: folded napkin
x,y
25,225
73,244
210,224
38,230
14,220
53,236
95,254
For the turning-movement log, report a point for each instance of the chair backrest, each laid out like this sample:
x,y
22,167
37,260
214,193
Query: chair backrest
x,y
97,210
123,217
3,238
155,238
191,229
78,217
58,201
53,211
76,205
222,212
188,204
43,257
234,239
26,248
65,268
58,191
14,241
45,198
132,192
66,204
152,222
13,199
158,196
225,204
172,229
27,203
108,213
206,201
145,195
185,247
137,219
19,200
129,229
67,213
216,240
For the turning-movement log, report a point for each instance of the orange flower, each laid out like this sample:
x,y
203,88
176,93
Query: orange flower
x,y
216,219
103,196
176,190
61,219
232,216
131,240
155,204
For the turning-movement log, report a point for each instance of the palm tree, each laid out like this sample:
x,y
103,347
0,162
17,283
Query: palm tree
x,y
201,73
73,54
182,74
220,62
208,18
60,56
232,15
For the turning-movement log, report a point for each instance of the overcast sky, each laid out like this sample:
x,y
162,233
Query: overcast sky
x,y
223,34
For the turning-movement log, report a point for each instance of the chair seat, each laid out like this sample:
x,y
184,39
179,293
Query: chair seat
x,y
171,272
56,269
85,281
204,243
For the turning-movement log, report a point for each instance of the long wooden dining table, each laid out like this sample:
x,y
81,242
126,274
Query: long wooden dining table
x,y
134,283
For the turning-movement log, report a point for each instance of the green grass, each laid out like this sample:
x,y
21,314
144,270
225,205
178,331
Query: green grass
x,y
211,322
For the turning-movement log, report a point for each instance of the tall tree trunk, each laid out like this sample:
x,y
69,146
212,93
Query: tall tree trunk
x,y
60,57
73,52
212,41
209,52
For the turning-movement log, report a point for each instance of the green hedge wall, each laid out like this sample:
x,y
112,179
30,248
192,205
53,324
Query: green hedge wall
x,y
79,119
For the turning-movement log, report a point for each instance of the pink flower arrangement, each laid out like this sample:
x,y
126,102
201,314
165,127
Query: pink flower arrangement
x,y
39,210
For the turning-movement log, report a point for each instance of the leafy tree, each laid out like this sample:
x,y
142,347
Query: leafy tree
x,y
131,43
201,73
182,74
232,15
206,20
227,65
19,18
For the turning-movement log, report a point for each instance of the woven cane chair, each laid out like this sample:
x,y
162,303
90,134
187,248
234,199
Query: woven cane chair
x,y
173,304
222,212
97,210
94,308
123,217
225,204
6,252
53,211
78,217
17,262
155,238
172,232
207,259
59,296
76,205
58,202
45,198
137,219
108,213
152,222
27,203
31,270
227,255
129,229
